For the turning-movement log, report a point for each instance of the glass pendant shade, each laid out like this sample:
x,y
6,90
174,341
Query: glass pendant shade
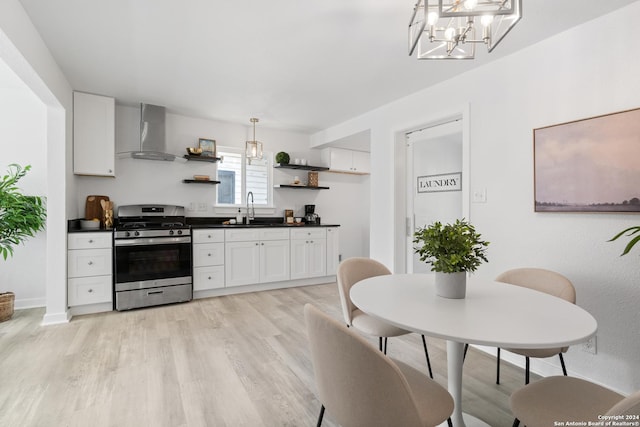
x,y
450,29
253,149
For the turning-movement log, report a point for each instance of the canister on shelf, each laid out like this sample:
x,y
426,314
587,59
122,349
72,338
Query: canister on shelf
x,y
313,179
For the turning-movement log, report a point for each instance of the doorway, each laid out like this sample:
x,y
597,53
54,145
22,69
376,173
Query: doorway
x,y
434,182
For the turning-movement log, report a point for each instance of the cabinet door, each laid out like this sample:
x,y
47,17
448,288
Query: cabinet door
x,y
333,250
361,162
89,262
274,261
340,159
93,134
89,240
317,258
299,259
205,278
89,290
242,263
208,254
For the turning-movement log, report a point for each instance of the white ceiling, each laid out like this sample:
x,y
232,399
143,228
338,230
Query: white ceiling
x,y
295,64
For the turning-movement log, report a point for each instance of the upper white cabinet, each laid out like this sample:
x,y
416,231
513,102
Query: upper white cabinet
x,y
347,161
93,134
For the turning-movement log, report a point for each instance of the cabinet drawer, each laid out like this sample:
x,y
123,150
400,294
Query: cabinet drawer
x,y
208,277
89,240
208,254
274,233
89,262
89,290
208,236
243,235
309,233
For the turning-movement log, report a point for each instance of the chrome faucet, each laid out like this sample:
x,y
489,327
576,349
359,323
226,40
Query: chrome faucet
x,y
251,214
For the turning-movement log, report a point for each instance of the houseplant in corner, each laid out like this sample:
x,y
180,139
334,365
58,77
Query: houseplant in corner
x,y
631,231
452,250
21,217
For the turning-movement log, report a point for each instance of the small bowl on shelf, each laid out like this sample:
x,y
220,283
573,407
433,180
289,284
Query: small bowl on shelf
x,y
193,151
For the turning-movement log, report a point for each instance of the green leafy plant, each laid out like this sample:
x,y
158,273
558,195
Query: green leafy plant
x,y
282,158
450,248
21,216
628,232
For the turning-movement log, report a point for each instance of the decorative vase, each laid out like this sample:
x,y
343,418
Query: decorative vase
x,y
451,285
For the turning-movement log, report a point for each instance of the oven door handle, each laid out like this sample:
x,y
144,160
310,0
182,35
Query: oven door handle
x,y
152,241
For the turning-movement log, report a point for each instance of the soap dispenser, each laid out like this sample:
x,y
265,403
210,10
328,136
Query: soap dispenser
x,y
239,217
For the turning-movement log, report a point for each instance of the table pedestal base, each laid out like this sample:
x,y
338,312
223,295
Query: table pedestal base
x,y
469,421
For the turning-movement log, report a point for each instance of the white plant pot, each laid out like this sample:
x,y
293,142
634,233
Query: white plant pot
x,y
451,285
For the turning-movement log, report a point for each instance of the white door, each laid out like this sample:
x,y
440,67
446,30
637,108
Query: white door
x,y
274,261
434,182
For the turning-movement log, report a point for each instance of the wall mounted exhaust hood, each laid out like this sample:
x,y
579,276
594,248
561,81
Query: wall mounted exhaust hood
x,y
153,145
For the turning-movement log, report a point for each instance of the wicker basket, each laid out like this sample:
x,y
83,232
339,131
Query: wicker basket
x,y
313,179
6,305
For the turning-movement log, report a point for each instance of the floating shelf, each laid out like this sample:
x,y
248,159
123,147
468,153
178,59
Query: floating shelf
x,y
202,158
199,181
305,187
300,167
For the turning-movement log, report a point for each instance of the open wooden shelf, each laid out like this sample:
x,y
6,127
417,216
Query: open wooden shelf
x,y
303,187
202,158
199,181
300,167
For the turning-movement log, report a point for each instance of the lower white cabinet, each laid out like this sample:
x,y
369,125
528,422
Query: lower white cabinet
x,y
208,259
256,256
89,261
333,250
308,253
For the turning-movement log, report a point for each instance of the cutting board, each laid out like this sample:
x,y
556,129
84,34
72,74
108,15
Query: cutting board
x,y
92,208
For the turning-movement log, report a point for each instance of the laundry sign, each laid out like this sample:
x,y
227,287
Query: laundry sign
x,y
441,182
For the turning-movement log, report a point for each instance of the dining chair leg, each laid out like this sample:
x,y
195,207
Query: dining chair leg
x,y
564,368
516,422
385,345
320,416
464,355
426,353
449,423
526,371
380,343
498,367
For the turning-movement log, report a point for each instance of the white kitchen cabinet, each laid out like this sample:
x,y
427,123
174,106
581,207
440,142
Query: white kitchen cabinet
x,y
256,256
208,259
333,250
89,268
347,161
93,134
308,253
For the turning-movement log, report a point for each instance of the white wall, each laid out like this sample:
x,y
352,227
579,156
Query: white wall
x,y
142,181
24,51
22,141
574,75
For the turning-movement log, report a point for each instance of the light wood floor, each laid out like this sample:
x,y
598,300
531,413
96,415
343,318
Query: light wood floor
x,y
237,360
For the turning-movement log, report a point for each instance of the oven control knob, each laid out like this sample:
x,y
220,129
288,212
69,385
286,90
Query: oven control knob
x,y
128,234
136,233
179,231
170,232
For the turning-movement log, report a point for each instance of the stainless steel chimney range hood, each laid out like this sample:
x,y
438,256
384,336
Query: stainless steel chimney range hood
x,y
153,145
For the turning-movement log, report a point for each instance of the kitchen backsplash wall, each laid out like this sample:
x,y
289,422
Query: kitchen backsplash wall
x,y
144,181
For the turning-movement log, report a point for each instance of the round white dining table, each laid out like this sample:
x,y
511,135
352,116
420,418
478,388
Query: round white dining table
x,y
492,314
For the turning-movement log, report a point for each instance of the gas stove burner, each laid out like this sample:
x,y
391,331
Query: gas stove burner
x,y
151,221
173,224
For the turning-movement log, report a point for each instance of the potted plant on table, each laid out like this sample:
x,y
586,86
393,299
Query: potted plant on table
x,y
21,217
452,250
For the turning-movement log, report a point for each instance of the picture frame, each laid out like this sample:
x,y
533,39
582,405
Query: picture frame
x,y
208,147
588,165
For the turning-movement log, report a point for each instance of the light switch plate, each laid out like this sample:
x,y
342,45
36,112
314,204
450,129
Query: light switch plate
x,y
479,195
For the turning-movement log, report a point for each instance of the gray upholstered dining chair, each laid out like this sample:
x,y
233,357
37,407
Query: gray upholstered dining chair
x,y
545,402
360,386
350,272
541,280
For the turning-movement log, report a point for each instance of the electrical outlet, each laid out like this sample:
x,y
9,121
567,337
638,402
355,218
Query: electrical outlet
x,y
590,346
202,206
479,195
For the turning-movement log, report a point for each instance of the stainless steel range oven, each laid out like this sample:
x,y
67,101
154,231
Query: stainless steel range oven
x,y
152,256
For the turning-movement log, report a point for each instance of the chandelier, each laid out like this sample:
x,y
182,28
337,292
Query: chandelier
x,y
253,149
450,29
